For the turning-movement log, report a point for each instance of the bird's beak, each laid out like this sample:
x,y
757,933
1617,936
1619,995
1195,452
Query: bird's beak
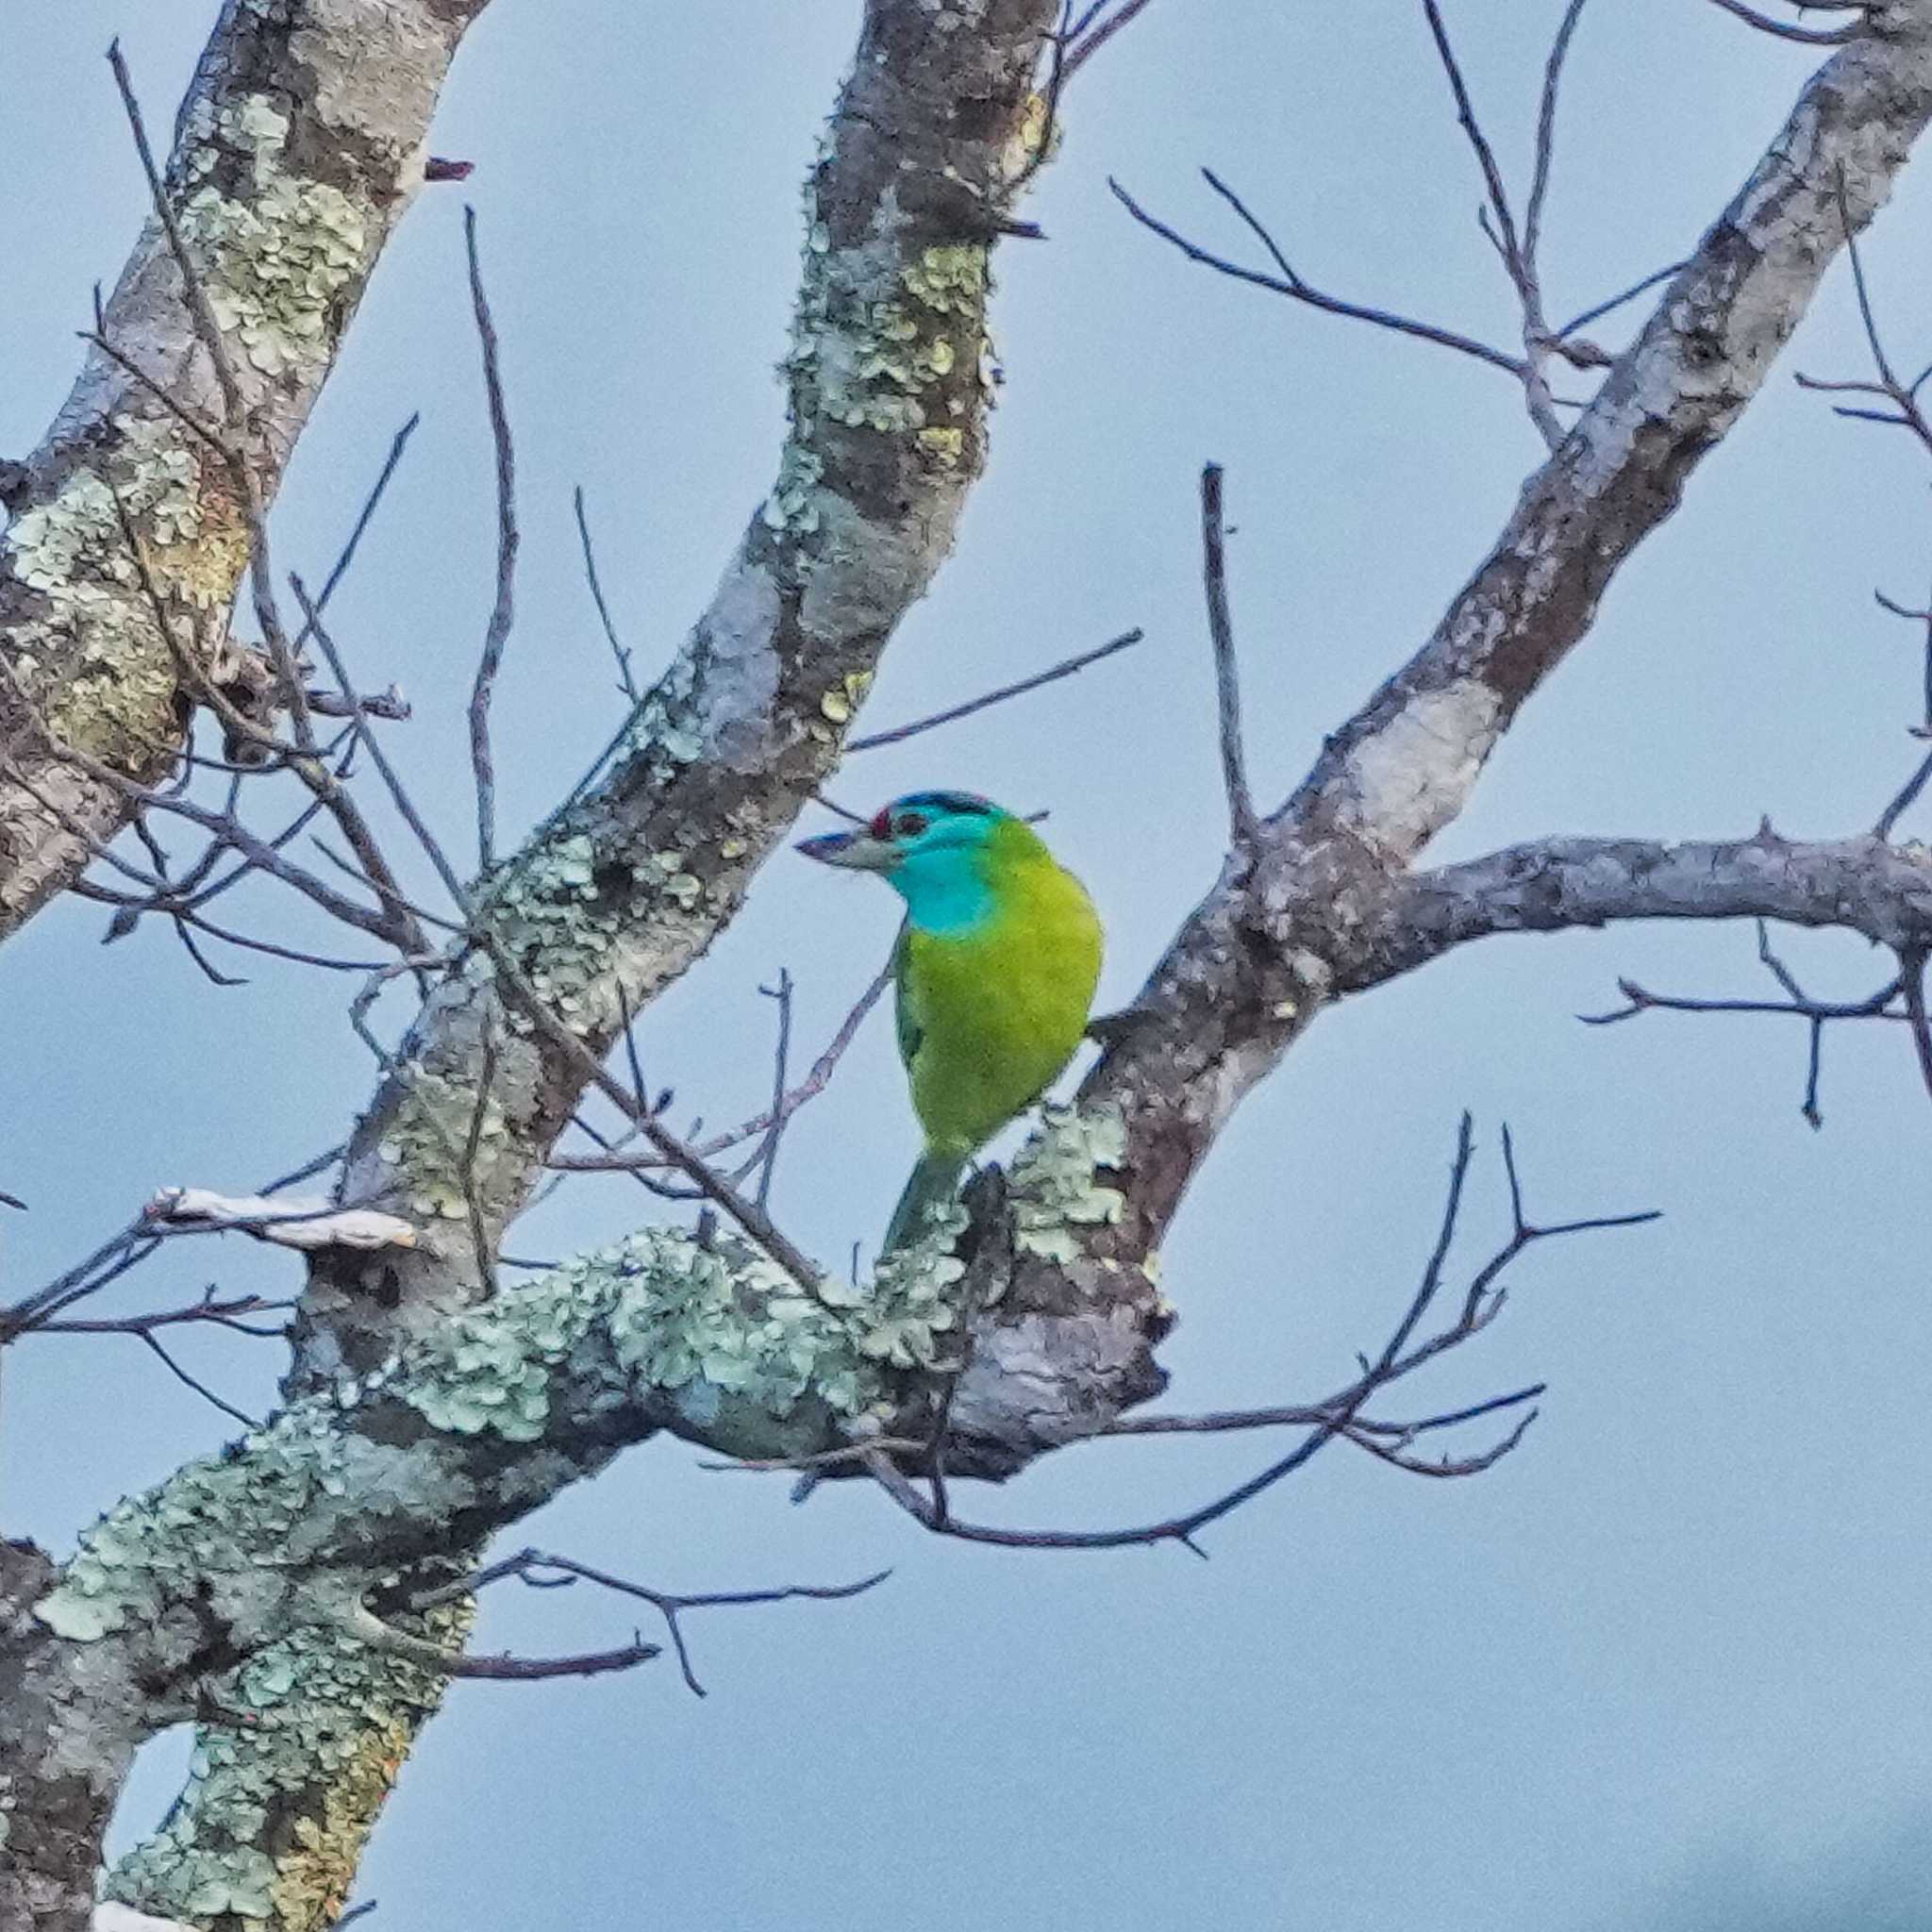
x,y
855,851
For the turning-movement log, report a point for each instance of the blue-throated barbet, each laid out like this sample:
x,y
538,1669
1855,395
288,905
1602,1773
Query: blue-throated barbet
x,y
995,969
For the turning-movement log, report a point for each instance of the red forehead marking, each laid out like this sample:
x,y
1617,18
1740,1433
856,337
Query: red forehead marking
x,y
881,826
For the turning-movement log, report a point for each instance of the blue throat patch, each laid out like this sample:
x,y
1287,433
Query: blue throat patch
x,y
943,889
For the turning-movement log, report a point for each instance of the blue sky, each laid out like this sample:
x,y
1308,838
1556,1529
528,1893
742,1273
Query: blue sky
x,y
1659,1670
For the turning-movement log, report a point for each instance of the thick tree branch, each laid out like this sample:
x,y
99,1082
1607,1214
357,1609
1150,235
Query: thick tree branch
x,y
395,1458
1403,768
298,148
630,880
627,885
1271,943
1861,885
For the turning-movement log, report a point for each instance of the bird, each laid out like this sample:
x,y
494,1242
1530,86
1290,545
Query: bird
x,y
994,971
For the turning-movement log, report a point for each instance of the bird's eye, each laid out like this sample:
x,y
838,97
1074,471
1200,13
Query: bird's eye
x,y
910,824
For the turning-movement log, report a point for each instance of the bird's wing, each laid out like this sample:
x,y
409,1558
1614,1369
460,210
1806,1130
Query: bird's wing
x,y
905,1001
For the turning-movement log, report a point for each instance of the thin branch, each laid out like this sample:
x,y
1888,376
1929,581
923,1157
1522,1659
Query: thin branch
x,y
1308,1415
1904,799
1065,668
781,1073
399,791
714,1185
1547,132
1339,1415
1906,413
1497,220
1288,282
625,682
321,1163
503,611
1243,823
1817,1014
814,1083
1086,41
1807,36
541,1571
121,1251
1510,245
473,1140
365,1626
234,414
200,1388
1912,977
207,1311
1600,310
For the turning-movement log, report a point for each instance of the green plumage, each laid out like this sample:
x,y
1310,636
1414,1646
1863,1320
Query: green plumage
x,y
996,970
932,1185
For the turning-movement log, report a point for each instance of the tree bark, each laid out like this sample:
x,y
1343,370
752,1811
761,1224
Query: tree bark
x,y
299,146
423,1416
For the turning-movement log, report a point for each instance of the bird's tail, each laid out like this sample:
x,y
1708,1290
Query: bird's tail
x,y
934,1181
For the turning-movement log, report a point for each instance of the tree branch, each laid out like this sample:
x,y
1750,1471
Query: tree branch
x,y
312,120
627,884
1859,885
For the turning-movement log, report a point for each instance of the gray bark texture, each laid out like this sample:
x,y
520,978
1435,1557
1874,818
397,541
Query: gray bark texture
x,y
425,1412
298,149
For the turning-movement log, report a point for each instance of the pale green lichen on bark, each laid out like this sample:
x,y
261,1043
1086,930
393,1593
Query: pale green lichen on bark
x,y
707,1332
881,363
875,345
278,260
662,1314
446,1143
1058,1194
117,684
330,1723
713,1328
206,1528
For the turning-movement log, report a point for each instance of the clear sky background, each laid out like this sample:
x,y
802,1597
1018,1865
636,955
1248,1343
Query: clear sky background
x,y
1665,1670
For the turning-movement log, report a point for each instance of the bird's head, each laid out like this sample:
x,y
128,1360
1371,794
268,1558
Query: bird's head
x,y
943,852
924,831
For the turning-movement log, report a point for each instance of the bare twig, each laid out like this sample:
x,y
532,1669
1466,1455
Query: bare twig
x,y
399,791
1547,132
234,415
207,1313
321,1163
200,1388
1913,980
501,615
1904,798
1598,310
1243,823
1065,668
816,1080
121,1251
473,1141
1904,412
1486,160
1817,1014
1518,251
1288,282
1086,37
781,1073
625,682
710,1182
367,1627
1807,36
1337,1416
374,707
541,1571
